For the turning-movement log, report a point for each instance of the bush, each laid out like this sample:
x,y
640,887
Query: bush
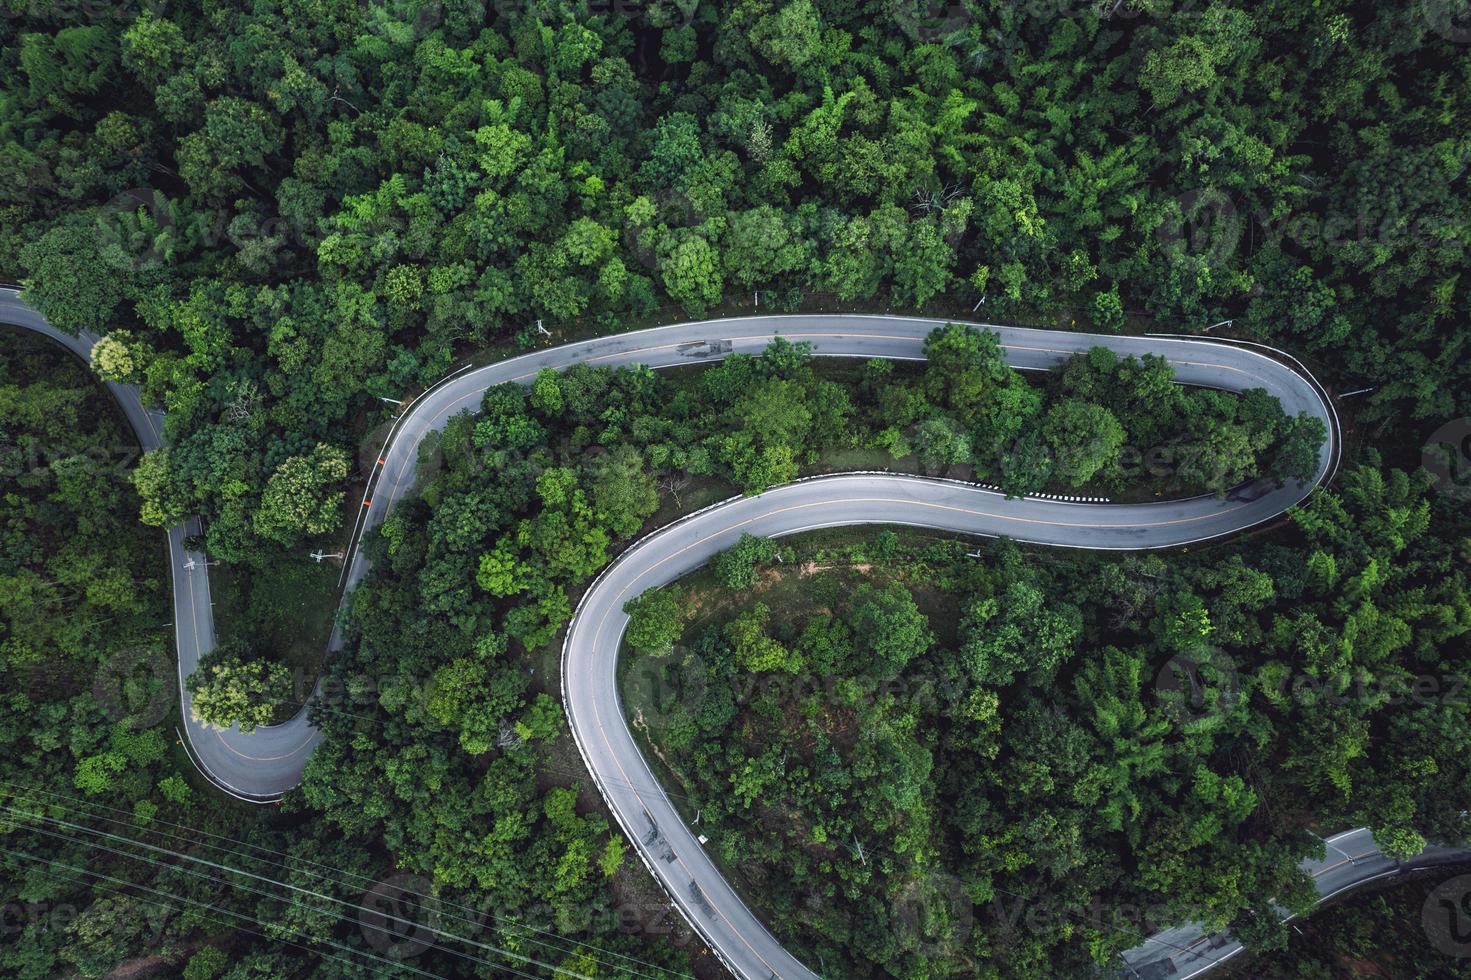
x,y
736,568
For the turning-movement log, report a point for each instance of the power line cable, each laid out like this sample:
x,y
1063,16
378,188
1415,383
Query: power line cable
x,y
473,919
120,883
266,894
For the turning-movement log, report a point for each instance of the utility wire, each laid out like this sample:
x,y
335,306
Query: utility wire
x,y
336,877
120,883
531,961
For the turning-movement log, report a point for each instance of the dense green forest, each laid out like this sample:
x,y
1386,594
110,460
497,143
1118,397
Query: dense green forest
x,y
899,748
115,855
526,498
1380,933
279,214
87,671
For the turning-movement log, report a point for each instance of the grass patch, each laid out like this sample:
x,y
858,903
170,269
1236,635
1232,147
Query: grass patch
x,y
638,701
700,491
284,610
825,567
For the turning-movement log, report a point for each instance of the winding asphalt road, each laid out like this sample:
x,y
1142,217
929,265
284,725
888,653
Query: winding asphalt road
x,y
265,764
258,767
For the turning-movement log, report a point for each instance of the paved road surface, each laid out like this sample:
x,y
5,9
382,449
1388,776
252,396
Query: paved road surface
x,y
1352,860
260,766
266,763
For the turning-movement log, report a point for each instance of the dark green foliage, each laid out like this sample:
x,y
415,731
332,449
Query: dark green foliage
x,y
280,213
78,575
89,690
298,212
1382,930
655,620
735,568
89,707
1028,793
